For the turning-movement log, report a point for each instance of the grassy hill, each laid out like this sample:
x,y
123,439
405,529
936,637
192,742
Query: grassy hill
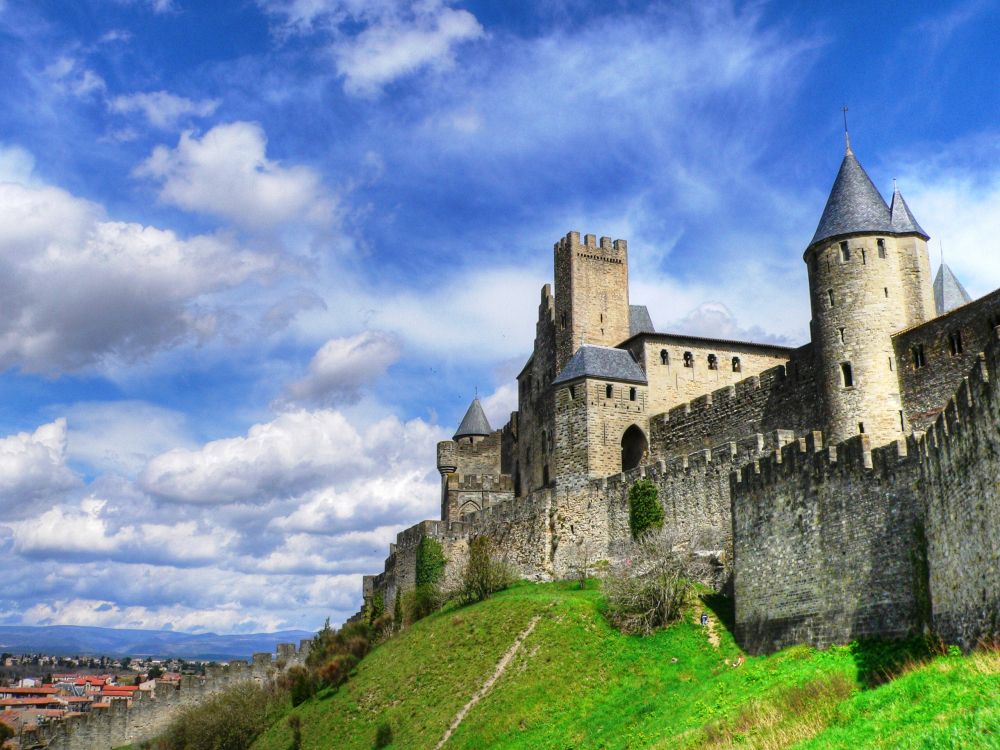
x,y
577,683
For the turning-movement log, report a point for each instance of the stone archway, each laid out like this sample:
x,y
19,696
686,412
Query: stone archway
x,y
634,447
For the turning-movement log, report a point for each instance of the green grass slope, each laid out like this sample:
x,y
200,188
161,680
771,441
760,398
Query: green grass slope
x,y
577,683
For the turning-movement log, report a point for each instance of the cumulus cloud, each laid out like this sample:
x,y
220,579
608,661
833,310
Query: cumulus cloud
x,y
69,75
76,288
344,366
288,456
396,38
161,108
33,469
226,173
715,320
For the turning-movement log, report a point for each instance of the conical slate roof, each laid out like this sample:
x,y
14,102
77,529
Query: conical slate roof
x,y
854,205
475,423
901,219
948,291
605,362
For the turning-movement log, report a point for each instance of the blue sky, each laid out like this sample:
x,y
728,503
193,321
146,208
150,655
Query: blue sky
x,y
257,255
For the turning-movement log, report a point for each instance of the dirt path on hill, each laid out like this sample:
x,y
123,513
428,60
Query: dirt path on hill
x,y
488,685
710,631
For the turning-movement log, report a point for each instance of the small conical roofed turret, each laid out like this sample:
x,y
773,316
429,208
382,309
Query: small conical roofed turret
x,y
901,219
948,291
855,204
475,423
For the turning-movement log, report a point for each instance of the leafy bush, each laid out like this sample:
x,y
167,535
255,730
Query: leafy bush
x,y
383,735
230,720
430,562
397,610
484,574
334,653
646,589
422,601
337,669
377,608
644,509
300,684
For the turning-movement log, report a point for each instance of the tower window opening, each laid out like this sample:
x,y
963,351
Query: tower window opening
x,y
890,364
847,374
664,357
608,391
881,247
955,342
545,475
602,317
713,362
918,356
736,364
545,441
861,428
562,321
572,392
845,252
688,359
864,257
841,335
902,423
829,293
632,394
885,290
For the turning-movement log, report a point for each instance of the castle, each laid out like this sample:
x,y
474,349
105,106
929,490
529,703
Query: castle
x,y
850,486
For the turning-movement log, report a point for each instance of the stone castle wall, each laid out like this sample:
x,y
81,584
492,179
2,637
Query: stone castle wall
x,y
782,397
152,711
927,388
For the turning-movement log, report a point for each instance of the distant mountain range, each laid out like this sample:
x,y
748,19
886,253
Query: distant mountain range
x,y
71,640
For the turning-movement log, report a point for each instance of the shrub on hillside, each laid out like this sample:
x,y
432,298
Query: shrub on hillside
x,y
644,509
300,684
647,587
383,735
377,608
422,601
484,573
334,653
230,720
397,610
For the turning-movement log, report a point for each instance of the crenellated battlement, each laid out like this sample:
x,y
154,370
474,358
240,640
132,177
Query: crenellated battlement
x,y
590,245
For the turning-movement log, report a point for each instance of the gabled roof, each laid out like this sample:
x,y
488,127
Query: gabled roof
x,y
948,291
901,218
639,320
474,423
605,362
854,205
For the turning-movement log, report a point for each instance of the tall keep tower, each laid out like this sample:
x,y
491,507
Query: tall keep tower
x,y
591,304
869,277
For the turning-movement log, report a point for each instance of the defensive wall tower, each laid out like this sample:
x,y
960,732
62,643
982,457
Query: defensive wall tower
x,y
591,291
869,277
473,450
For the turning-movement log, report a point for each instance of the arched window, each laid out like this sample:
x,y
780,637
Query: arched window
x,y
664,357
608,391
631,394
688,359
713,362
736,364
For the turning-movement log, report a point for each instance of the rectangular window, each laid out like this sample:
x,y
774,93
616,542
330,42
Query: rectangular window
x,y
830,294
842,336
955,343
885,291
881,247
845,252
861,428
631,394
918,356
847,374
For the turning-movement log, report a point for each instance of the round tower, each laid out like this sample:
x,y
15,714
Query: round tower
x,y
869,277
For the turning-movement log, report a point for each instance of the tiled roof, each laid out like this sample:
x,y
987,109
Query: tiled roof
x,y
902,219
948,291
854,205
475,422
607,363
639,320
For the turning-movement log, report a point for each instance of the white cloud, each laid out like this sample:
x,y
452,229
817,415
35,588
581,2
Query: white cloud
x,y
499,404
294,453
395,47
76,288
67,75
227,173
161,108
344,366
396,39
121,436
33,469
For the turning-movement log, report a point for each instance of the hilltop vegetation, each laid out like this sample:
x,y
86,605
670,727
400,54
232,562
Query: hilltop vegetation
x,y
575,682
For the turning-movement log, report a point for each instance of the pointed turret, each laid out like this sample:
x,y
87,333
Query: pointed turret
x,y
948,291
475,423
901,218
855,204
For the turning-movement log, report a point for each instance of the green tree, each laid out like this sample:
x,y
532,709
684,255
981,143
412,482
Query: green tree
x,y
397,610
644,509
377,608
484,574
430,561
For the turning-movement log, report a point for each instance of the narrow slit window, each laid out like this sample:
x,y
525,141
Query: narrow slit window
x,y
890,365
841,335
608,391
847,374
829,293
861,428
881,247
864,257
845,252
885,290
955,343
918,356
572,392
902,423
